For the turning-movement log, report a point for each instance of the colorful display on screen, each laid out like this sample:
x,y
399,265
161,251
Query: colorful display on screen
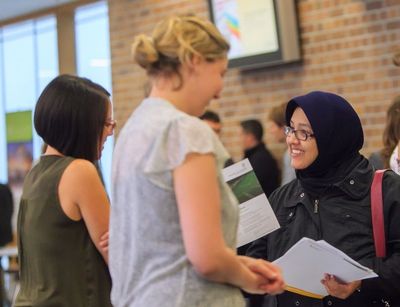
x,y
249,26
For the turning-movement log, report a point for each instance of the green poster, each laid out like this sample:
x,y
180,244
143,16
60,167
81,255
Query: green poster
x,y
19,126
19,147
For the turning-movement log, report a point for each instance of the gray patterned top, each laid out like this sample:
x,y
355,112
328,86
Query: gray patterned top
x,y
148,263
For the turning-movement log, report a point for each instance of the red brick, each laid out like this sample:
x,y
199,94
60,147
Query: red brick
x,y
347,48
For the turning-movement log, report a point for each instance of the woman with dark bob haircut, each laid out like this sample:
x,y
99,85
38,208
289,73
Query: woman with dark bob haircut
x,y
64,209
330,200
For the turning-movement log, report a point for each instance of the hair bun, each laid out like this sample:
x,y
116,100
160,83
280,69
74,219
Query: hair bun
x,y
144,52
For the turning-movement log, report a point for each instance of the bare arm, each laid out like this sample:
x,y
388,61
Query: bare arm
x,y
82,195
197,194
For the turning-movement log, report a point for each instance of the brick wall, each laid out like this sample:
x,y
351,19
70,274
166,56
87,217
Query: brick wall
x,y
347,48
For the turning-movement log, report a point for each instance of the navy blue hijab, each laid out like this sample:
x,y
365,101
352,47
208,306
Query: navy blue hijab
x,y
339,136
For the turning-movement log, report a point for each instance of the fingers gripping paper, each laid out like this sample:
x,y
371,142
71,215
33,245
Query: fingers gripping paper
x,y
306,262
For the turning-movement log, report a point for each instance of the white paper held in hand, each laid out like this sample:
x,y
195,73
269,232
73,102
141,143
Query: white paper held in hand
x,y
256,217
306,262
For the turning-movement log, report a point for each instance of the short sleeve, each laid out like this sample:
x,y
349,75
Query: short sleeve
x,y
182,136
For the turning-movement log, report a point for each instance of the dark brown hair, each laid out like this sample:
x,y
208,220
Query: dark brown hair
x,y
391,135
210,116
253,127
70,116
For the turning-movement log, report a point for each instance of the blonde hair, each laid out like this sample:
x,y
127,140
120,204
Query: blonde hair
x,y
278,115
175,41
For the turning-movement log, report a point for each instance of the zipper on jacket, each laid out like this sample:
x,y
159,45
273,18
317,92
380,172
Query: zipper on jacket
x,y
316,203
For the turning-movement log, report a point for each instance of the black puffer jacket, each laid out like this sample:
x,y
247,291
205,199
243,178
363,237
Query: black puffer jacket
x,y
342,217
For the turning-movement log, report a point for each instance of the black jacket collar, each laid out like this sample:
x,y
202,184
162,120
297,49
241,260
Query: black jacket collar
x,y
355,185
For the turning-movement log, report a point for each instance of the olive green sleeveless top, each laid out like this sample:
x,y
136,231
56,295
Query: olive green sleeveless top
x,y
59,264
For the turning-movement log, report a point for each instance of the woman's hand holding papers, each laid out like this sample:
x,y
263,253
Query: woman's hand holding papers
x,y
338,288
269,277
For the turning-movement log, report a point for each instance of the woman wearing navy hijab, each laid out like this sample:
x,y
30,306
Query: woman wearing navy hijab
x,y
330,200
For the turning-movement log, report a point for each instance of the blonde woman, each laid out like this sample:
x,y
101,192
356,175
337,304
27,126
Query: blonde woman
x,y
276,127
174,220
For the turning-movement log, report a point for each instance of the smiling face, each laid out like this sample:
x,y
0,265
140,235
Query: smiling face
x,y
302,153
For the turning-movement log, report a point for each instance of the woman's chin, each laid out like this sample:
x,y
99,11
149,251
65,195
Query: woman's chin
x,y
298,166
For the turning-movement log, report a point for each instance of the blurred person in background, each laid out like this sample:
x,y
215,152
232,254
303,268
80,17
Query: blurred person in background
x,y
391,137
261,159
212,119
276,127
6,234
389,157
6,212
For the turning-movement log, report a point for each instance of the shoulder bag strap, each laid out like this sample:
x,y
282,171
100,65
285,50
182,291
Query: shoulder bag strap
x,y
378,225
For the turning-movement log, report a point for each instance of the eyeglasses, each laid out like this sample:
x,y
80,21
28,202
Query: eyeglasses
x,y
300,134
110,123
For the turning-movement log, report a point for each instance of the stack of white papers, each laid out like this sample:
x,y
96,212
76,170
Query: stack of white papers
x,y
256,217
306,262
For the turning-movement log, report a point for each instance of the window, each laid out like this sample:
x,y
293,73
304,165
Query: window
x,y
28,61
93,61
3,143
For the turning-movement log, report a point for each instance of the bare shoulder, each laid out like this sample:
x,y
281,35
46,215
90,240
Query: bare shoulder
x,y
81,168
81,174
